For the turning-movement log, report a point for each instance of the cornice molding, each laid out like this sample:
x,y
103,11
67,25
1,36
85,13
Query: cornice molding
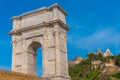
x,y
40,25
40,9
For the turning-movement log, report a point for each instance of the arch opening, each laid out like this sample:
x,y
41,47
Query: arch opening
x,y
35,49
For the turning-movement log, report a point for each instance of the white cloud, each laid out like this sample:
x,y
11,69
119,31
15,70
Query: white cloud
x,y
102,38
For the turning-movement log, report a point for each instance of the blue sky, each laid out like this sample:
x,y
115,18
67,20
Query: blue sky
x,y
95,24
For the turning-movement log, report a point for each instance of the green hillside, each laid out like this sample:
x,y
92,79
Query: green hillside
x,y
85,70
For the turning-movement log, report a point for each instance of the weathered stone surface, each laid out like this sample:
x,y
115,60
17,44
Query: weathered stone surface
x,y
44,27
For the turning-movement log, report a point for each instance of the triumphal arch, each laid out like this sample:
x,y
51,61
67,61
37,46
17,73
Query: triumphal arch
x,y
44,27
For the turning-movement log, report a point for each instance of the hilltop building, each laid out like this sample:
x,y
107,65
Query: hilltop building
x,y
107,53
96,63
75,61
110,63
104,54
99,63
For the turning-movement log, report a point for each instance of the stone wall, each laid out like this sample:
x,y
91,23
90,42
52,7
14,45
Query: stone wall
x,y
9,75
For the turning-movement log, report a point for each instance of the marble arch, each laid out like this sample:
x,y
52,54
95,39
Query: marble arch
x,y
44,27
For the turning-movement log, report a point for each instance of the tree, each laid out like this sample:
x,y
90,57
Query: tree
x,y
92,56
117,61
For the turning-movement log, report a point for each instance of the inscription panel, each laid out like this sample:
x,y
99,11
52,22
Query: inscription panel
x,y
33,20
